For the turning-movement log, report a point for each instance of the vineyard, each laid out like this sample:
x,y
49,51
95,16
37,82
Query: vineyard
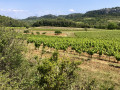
x,y
101,42
44,46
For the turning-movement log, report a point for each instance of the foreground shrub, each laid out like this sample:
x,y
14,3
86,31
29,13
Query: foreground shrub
x,y
10,50
56,75
11,59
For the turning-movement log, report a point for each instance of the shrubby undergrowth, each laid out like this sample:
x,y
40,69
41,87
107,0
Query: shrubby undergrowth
x,y
17,73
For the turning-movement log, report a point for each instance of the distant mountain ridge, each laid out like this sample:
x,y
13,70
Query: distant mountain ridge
x,y
49,16
10,22
105,11
101,18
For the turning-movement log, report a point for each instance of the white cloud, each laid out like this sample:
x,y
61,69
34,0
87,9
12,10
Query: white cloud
x,y
18,10
19,13
14,13
11,10
41,12
71,10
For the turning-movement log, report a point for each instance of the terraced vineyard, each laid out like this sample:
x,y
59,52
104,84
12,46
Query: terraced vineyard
x,y
101,42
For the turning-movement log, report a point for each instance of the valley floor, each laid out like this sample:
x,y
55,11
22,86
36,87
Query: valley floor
x,y
94,71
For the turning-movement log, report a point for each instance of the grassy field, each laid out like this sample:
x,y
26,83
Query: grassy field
x,y
66,31
103,35
14,28
48,28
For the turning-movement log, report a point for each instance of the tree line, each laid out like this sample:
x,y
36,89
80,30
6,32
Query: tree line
x,y
55,22
85,24
10,22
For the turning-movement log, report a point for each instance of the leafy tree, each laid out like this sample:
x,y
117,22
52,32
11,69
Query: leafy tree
x,y
55,22
9,22
112,26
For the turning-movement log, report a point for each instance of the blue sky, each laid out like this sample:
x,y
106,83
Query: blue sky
x,y
20,9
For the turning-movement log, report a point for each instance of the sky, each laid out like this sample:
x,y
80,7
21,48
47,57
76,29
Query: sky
x,y
20,9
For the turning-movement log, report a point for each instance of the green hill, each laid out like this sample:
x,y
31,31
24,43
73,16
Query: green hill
x,y
92,19
102,12
10,22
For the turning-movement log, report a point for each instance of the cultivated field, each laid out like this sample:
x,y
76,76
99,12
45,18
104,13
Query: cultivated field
x,y
99,52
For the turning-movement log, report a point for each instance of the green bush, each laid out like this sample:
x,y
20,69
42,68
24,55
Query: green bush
x,y
54,56
57,32
90,52
117,56
10,49
44,33
38,33
112,26
56,75
26,31
32,33
27,27
85,29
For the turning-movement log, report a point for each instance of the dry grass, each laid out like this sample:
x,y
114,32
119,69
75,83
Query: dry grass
x,y
104,75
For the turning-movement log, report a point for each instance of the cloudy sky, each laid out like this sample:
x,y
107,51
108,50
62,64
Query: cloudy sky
x,y
20,9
